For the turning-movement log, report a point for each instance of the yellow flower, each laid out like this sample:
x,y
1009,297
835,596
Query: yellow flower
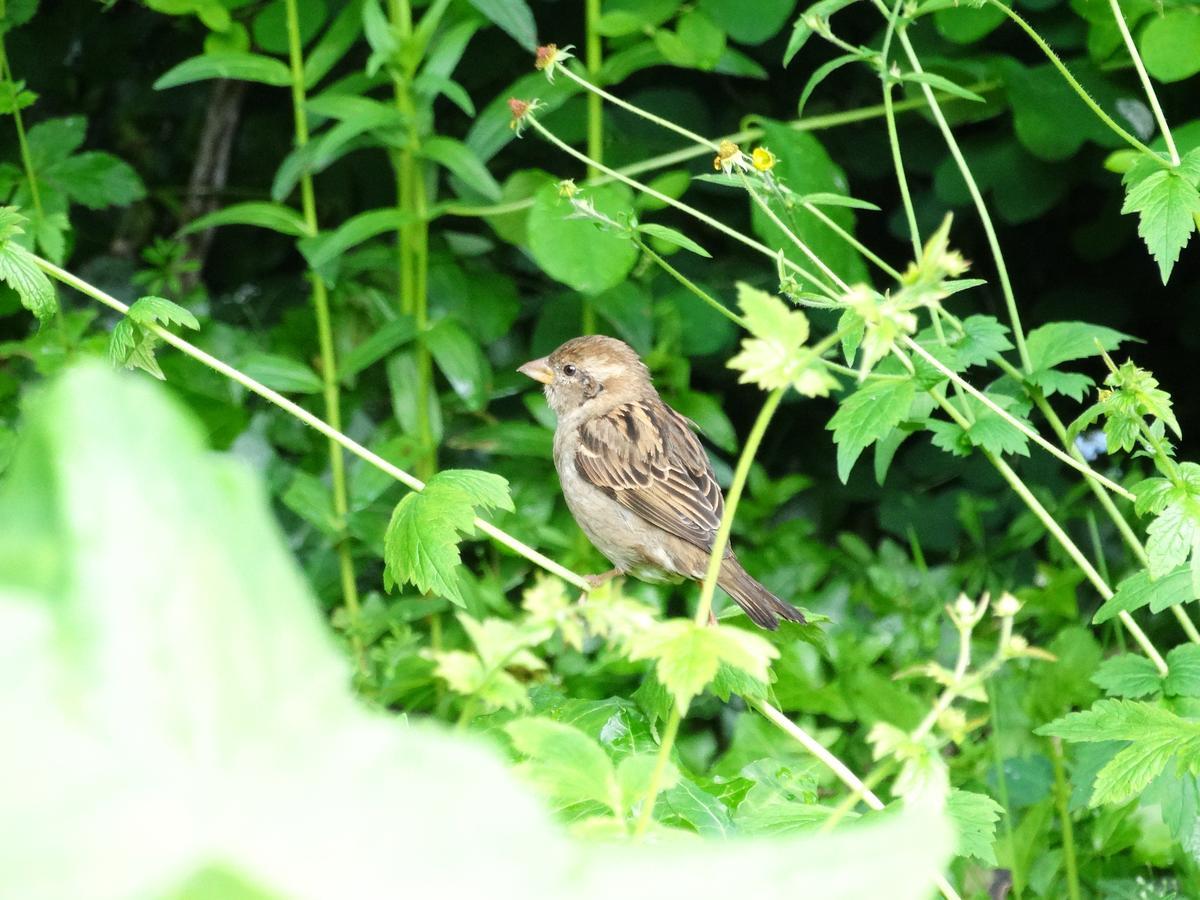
x,y
762,159
726,158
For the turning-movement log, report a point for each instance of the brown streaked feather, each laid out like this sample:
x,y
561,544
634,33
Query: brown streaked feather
x,y
644,455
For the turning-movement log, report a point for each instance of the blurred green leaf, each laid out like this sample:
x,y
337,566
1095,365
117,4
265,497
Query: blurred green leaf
x,y
575,251
239,66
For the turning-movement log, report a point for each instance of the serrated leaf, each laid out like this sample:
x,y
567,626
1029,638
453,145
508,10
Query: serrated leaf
x,y
161,311
564,762
421,543
1141,589
20,272
671,236
1156,736
688,655
1128,675
274,216
1058,342
238,66
1183,677
988,430
1167,204
1172,536
975,817
866,416
96,180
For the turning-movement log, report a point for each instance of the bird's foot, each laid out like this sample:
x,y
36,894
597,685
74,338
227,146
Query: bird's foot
x,y
595,581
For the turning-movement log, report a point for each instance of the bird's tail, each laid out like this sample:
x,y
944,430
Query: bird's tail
x,y
763,607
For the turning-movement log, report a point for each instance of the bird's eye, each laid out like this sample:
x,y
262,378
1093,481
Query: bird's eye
x,y
569,370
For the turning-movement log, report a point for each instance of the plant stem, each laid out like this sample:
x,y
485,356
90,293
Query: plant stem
x,y
317,424
1145,79
1010,299
1071,80
660,767
1002,789
1077,556
740,473
595,121
914,233
852,240
35,194
329,375
1013,421
1062,794
693,287
669,201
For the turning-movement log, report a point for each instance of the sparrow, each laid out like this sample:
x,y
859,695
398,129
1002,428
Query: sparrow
x,y
636,477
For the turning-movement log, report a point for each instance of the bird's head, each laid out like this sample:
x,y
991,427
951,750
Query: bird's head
x,y
589,371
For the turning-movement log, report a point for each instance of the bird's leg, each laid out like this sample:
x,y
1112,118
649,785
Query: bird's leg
x,y
595,581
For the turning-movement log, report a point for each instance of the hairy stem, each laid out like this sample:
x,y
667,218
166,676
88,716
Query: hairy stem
x,y
35,194
329,375
910,213
692,286
660,769
1123,26
1062,797
594,51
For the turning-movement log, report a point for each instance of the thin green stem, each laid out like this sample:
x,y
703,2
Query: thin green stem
x,y
660,769
1008,417
1123,26
1062,796
594,51
852,240
716,305
669,201
732,498
914,233
1072,81
1010,299
1002,790
329,375
317,424
1085,566
35,194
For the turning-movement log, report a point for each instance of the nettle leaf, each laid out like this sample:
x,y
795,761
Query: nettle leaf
x,y
1141,589
19,270
983,338
1157,737
774,357
688,655
160,311
988,431
565,763
866,416
96,180
421,544
1057,342
1128,675
1183,679
1173,537
1167,202
975,817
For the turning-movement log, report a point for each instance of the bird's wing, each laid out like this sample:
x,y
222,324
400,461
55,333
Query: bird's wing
x,y
644,455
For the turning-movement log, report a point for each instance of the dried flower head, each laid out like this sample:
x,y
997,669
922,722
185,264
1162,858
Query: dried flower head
x,y
520,109
549,56
728,156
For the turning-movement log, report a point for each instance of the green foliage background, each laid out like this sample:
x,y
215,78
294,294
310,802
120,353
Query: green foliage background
x,y
388,266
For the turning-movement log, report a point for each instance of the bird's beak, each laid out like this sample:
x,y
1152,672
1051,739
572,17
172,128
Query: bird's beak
x,y
538,370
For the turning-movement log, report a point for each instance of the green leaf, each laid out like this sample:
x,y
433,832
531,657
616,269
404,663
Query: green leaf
x,y
513,17
274,216
1128,675
460,160
988,429
1141,589
20,272
160,311
821,73
941,84
282,373
333,45
421,545
774,357
323,251
1172,536
238,66
385,339
1156,736
1167,204
97,180
1183,679
1058,342
825,198
310,498
565,763
461,361
575,251
696,808
1170,44
688,655
634,774
749,23
671,236
866,416
975,817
